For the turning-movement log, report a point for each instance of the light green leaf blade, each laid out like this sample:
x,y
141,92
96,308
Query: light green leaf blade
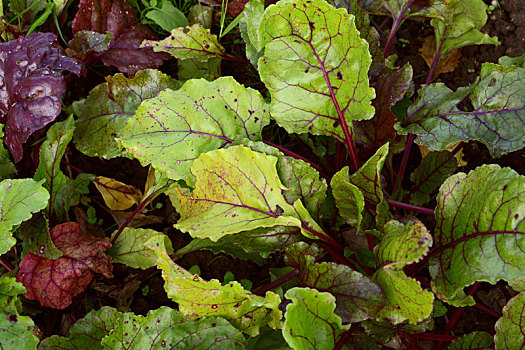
x,y
171,130
51,152
510,330
497,119
430,174
192,68
364,184
509,61
167,17
480,232
402,245
130,249
168,328
310,321
357,297
315,66
189,42
473,341
236,190
16,331
87,332
249,26
19,199
104,113
34,234
7,168
197,297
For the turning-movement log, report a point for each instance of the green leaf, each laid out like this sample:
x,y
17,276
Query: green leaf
x,y
357,297
130,249
192,68
171,130
7,168
457,23
34,234
382,332
87,332
509,61
510,330
268,339
16,331
197,297
103,114
69,195
237,189
480,232
189,42
250,20
167,17
473,341
497,119
310,321
315,66
51,152
19,199
402,245
364,184
430,174
168,328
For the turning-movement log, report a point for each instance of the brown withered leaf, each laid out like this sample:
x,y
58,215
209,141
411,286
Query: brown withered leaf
x,y
446,65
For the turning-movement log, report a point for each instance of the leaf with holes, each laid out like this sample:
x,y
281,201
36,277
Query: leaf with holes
x,y
19,199
54,283
357,297
237,189
104,113
497,120
171,130
117,195
510,330
87,332
16,331
197,297
189,42
480,232
310,321
130,249
315,66
401,245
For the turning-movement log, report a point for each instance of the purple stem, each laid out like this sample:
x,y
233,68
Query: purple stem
x,y
269,286
293,154
410,207
8,266
344,337
488,310
396,25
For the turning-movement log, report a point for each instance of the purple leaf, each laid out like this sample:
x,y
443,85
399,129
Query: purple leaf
x,y
30,89
118,18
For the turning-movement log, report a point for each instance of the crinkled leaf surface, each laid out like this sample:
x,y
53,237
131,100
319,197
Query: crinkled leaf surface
x,y
87,42
315,66
430,174
236,189
104,113
510,328
117,195
54,283
401,245
357,297
51,152
19,199
390,88
197,297
364,184
168,328
16,331
497,120
171,130
7,168
188,42
87,332
310,321
473,341
118,18
130,248
32,98
480,231
35,237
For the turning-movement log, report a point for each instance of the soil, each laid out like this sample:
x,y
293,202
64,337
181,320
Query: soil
x,y
506,22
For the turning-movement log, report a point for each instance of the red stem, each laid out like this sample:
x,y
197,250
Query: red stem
x,y
395,26
344,337
455,317
385,21
269,286
426,211
8,266
293,155
404,162
435,337
73,167
334,244
370,240
488,310
233,58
